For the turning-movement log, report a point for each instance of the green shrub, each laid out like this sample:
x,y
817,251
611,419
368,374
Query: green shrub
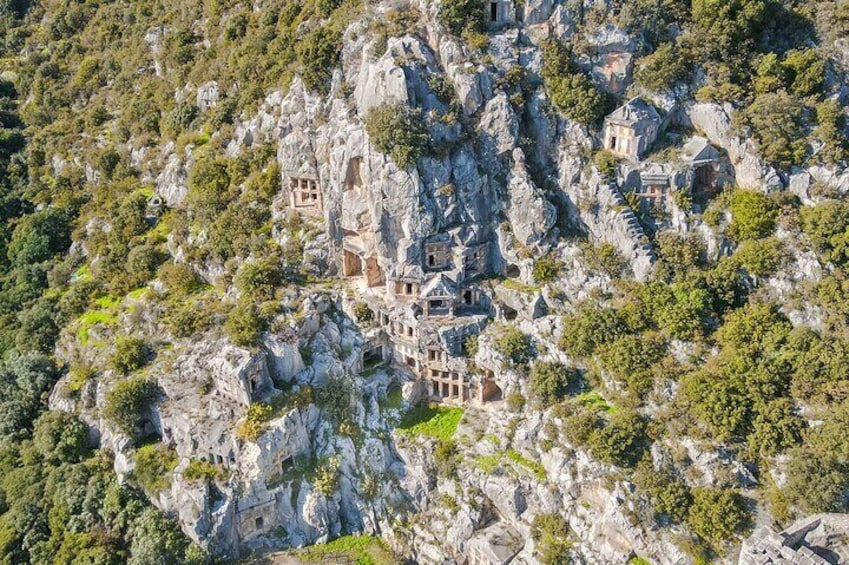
x,y
460,16
546,269
60,437
631,359
253,425
551,382
245,324
179,278
762,258
578,98
128,402
571,92
831,123
622,440
445,455
363,313
606,163
200,470
551,534
398,131
327,477
668,495
662,69
515,346
258,280
604,258
130,355
753,215
589,328
827,226
776,123
471,345
776,426
318,53
154,464
515,401
716,515
209,184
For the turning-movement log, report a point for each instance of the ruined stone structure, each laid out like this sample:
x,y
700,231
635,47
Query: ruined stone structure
x,y
500,13
424,310
631,129
305,194
817,540
696,169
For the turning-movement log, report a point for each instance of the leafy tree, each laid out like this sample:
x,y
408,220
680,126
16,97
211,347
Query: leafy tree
x,y
462,16
776,427
39,236
209,183
551,382
717,514
718,403
61,437
662,69
154,464
551,534
827,225
546,269
831,125
258,280
25,383
571,92
157,539
678,255
398,131
770,74
318,53
179,278
806,71
621,440
589,328
515,346
763,257
244,324
775,119
128,402
39,327
578,98
631,359
726,31
668,494
753,215
130,354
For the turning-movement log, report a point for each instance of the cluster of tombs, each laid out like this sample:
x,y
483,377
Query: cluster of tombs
x,y
424,310
421,318
696,166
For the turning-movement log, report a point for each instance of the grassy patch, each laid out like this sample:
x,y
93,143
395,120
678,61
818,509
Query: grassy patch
x,y
535,468
439,422
361,550
82,274
519,286
489,463
594,400
394,399
154,464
